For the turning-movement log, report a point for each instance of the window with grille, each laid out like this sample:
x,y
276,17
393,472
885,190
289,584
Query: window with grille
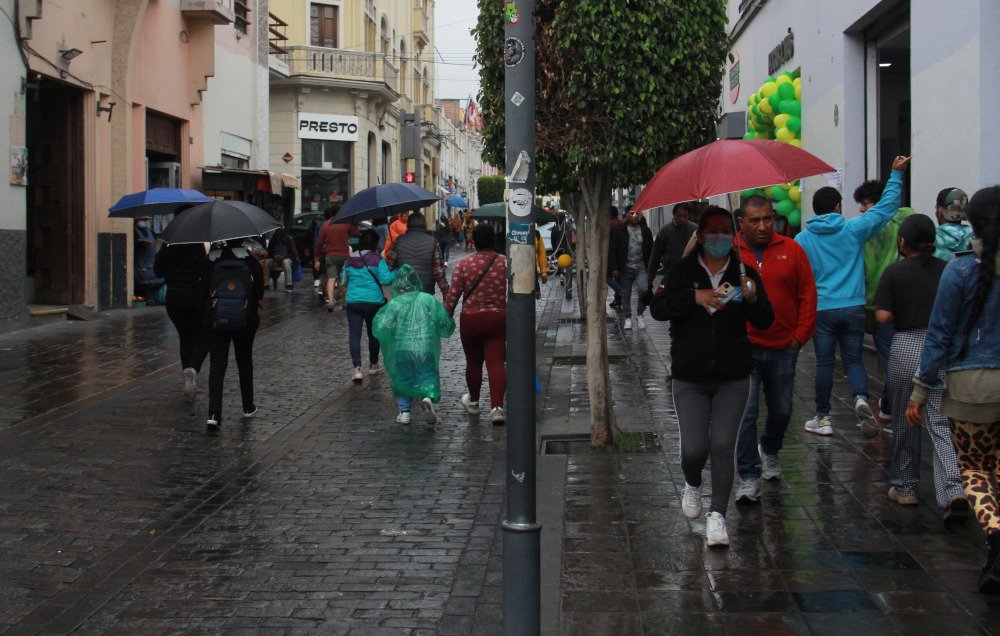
x,y
242,11
323,25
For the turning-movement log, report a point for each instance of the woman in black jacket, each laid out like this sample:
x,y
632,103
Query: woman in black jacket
x,y
233,286
183,267
281,253
708,301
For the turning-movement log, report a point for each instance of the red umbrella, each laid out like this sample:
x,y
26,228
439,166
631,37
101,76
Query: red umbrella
x,y
728,165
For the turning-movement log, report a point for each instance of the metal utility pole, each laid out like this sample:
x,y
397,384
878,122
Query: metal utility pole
x,y
521,531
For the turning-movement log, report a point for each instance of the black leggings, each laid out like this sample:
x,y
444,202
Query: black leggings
x,y
187,312
218,346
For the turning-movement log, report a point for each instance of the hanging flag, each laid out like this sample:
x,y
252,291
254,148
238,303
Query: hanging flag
x,y
466,119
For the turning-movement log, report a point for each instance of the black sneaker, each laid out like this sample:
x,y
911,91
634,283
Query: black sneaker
x,y
212,424
989,580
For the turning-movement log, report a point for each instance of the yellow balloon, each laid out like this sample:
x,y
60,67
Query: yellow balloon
x,y
795,142
769,89
780,121
783,134
762,135
781,79
798,92
765,107
794,193
565,261
797,81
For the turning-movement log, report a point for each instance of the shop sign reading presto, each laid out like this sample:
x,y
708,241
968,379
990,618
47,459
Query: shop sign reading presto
x,y
329,127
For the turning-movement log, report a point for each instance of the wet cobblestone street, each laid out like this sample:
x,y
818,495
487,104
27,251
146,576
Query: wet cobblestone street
x,y
119,514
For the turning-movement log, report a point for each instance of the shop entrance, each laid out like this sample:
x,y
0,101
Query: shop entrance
x,y
55,223
888,91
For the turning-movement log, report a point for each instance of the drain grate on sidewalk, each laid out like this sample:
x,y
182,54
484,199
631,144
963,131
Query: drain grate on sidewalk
x,y
572,321
632,442
568,361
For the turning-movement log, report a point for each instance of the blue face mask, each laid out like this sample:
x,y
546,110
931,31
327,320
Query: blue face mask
x,y
718,245
142,224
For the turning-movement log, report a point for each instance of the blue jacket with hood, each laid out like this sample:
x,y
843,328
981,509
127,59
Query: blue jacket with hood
x,y
835,248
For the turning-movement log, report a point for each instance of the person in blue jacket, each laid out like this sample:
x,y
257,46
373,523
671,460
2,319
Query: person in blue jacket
x,y
364,274
835,248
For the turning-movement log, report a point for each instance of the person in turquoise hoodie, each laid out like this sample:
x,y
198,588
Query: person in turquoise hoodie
x,y
835,248
364,274
952,235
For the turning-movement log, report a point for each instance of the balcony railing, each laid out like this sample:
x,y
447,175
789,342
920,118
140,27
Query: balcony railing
x,y
218,11
421,22
340,64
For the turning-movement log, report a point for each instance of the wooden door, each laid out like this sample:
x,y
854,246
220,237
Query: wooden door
x,y
55,194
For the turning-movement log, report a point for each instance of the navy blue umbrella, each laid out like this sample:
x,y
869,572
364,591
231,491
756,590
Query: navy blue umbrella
x,y
456,201
155,201
384,200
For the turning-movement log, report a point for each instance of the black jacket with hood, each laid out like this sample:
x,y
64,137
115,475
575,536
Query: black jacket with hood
x,y
709,347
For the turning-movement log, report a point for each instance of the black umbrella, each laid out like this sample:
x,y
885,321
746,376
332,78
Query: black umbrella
x,y
378,202
218,221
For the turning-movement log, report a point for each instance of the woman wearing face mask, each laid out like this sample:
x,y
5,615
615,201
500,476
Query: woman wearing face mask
x,y
904,298
708,302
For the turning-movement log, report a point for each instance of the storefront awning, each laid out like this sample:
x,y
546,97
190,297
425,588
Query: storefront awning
x,y
275,180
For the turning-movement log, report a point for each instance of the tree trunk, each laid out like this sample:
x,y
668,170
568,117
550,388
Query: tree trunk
x,y
595,185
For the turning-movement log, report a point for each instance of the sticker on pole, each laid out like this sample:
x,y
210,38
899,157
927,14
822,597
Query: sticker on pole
x,y
511,15
518,233
513,51
520,202
517,98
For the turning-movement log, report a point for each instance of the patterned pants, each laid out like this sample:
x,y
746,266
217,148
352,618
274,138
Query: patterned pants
x,y
904,467
978,448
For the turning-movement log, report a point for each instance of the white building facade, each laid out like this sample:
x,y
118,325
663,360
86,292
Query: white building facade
x,y
879,78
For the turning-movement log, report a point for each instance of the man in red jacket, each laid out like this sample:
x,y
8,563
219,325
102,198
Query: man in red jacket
x,y
788,279
333,245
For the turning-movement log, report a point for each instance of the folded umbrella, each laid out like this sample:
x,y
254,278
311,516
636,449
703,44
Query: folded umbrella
x,y
155,201
219,221
728,165
499,211
384,200
456,201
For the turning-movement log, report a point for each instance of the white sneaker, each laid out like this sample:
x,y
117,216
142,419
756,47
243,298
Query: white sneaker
x,y
316,284
190,382
472,408
497,416
820,425
866,419
628,324
691,502
357,374
212,423
611,313
749,491
429,415
249,414
403,417
375,369
715,530
641,323
770,464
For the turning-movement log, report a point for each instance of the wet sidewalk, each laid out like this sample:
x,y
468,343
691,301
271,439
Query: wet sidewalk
x,y
119,514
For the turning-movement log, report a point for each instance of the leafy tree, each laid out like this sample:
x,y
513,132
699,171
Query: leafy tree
x,y
490,189
622,87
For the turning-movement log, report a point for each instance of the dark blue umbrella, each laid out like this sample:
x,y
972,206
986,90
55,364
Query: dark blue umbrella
x,y
456,201
384,200
155,201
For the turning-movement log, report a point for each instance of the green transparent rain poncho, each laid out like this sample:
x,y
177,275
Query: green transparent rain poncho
x,y
881,251
410,328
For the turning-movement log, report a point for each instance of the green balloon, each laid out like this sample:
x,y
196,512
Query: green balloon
x,y
784,208
749,135
770,80
778,193
795,218
754,111
791,107
746,194
794,124
775,101
786,91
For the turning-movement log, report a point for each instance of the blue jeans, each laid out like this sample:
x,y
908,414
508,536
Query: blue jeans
x,y
639,279
883,342
775,370
615,287
404,402
845,326
445,251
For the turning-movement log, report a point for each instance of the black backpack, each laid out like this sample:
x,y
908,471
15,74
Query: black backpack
x,y
229,302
